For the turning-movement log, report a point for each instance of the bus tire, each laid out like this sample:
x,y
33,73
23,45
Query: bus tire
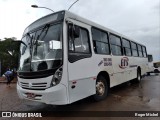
x,y
102,89
139,77
156,71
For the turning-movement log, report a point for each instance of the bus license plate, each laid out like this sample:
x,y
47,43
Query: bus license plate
x,y
30,95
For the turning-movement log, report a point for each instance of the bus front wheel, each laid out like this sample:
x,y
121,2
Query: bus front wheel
x,y
102,89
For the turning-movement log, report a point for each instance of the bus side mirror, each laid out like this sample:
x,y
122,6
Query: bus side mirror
x,y
24,47
74,31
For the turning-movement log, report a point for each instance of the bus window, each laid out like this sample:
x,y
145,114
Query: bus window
x,y
134,49
116,46
140,51
80,44
100,41
144,51
79,47
126,47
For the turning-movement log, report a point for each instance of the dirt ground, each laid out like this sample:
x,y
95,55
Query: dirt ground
x,y
126,97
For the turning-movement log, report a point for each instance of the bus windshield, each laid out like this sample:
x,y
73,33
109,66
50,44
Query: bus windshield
x,y
42,49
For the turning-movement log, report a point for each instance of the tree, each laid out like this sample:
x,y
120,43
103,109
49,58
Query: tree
x,y
9,52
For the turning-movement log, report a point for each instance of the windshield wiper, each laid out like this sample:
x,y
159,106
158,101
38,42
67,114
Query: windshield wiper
x,y
31,37
30,46
47,26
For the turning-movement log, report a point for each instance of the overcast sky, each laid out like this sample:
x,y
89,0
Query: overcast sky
x,y
137,19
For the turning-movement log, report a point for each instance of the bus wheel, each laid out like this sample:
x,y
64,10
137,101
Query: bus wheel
x,y
138,76
101,89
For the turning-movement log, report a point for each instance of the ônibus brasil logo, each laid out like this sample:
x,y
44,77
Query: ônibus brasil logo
x,y
124,63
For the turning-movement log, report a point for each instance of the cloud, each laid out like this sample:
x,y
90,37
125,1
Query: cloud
x,y
137,19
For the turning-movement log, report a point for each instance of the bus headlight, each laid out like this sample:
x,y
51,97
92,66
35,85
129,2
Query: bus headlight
x,y
57,77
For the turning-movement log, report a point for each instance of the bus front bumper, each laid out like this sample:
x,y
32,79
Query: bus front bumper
x,y
56,95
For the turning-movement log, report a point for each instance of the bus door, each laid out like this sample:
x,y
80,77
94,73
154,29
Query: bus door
x,y
80,66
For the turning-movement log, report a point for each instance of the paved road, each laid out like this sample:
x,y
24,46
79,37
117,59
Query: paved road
x,y
125,97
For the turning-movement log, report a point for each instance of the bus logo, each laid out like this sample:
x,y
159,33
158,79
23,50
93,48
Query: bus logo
x,y
124,63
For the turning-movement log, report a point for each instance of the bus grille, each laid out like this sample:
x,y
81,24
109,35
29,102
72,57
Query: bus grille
x,y
34,86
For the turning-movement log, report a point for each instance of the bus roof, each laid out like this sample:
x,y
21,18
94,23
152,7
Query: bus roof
x,y
71,15
93,24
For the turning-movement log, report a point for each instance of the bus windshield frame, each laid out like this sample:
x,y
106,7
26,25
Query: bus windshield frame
x,y
42,50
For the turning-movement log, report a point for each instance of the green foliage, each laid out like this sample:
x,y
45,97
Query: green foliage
x,y
9,52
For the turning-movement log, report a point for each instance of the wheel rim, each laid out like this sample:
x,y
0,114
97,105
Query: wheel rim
x,y
100,88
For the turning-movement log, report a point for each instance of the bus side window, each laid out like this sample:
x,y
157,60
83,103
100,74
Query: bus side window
x,y
144,51
126,47
134,49
70,38
140,51
79,46
116,46
100,41
82,42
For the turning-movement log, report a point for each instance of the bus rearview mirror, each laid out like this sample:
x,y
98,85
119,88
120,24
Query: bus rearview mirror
x,y
76,31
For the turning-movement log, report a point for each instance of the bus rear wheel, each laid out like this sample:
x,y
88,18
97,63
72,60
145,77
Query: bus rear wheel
x,y
102,89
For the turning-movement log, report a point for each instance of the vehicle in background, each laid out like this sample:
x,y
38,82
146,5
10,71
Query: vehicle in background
x,y
151,67
156,70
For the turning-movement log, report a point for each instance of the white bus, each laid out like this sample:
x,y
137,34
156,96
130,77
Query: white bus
x,y
65,58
